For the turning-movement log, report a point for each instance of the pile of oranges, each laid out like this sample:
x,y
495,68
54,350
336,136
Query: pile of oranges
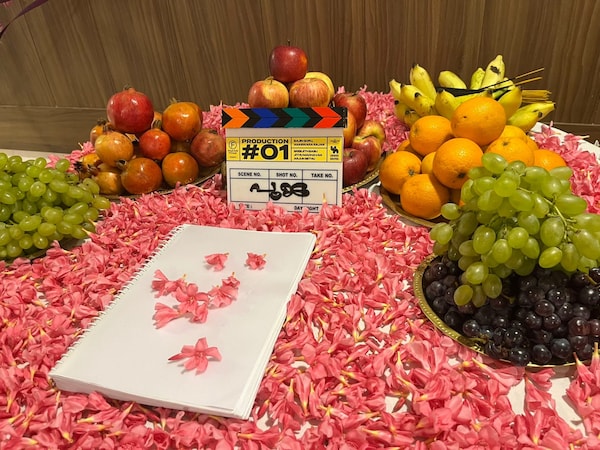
x,y
429,168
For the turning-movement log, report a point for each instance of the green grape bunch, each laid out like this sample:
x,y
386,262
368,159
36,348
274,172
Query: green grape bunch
x,y
40,204
513,218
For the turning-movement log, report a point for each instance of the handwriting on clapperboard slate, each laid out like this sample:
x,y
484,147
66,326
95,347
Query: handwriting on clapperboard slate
x,y
298,189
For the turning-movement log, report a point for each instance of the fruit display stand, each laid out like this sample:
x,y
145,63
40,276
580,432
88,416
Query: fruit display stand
x,y
357,364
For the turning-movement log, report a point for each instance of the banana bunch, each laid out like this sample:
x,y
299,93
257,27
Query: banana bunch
x,y
528,115
422,97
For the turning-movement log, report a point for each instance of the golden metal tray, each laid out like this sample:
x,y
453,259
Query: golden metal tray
x,y
370,177
205,175
433,317
473,344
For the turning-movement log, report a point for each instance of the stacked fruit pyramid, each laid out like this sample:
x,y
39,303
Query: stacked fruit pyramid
x,y
137,149
291,84
491,111
515,264
431,166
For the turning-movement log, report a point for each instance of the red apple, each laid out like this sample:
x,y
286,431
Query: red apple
x,y
349,130
268,93
372,128
208,148
325,78
354,166
308,93
355,103
372,148
288,63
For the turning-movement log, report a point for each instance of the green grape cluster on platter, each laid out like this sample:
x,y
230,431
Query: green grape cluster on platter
x,y
40,204
513,219
516,264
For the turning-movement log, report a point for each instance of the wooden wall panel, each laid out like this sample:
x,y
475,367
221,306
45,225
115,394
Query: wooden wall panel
x,y
22,79
61,62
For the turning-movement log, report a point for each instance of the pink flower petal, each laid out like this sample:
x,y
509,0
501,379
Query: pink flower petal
x,y
197,356
255,261
217,260
164,314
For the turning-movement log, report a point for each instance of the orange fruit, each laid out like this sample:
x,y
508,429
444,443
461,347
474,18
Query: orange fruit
x,y
548,159
454,159
405,146
513,149
396,168
513,131
428,133
481,119
531,143
427,163
423,196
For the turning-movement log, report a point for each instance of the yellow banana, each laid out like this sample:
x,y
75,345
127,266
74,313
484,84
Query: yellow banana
x,y
500,89
395,87
449,79
400,109
416,100
477,78
511,100
527,116
494,72
410,117
446,103
507,83
420,78
404,113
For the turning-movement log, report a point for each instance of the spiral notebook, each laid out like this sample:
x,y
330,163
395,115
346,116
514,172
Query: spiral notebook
x,y
125,357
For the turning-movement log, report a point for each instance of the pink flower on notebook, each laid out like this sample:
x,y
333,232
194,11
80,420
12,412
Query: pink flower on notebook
x,y
193,303
191,300
217,260
163,314
163,286
221,297
197,356
231,281
198,311
224,294
255,261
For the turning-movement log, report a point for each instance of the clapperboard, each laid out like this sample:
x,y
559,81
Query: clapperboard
x,y
291,157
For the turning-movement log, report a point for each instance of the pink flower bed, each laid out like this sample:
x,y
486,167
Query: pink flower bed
x,y
356,365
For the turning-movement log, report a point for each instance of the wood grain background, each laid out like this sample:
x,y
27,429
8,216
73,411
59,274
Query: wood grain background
x,y
60,63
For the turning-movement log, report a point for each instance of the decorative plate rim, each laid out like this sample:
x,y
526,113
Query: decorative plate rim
x,y
207,174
